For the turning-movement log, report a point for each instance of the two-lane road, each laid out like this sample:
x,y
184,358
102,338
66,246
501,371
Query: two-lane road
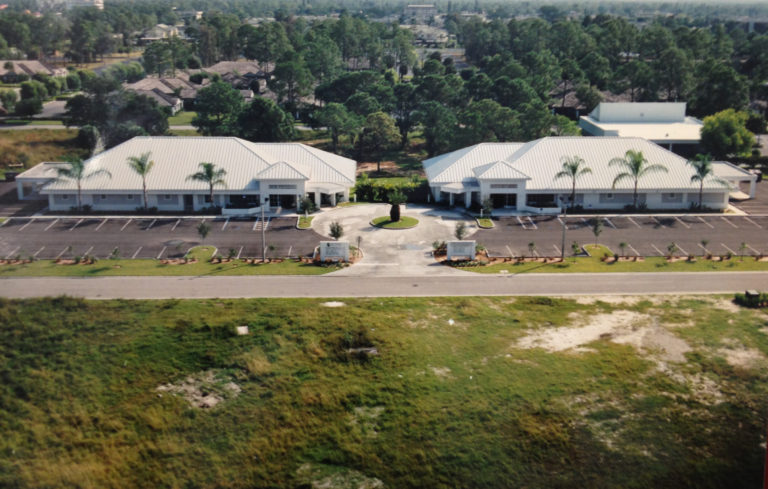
x,y
418,286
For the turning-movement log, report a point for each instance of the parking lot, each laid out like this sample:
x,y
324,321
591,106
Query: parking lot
x,y
50,238
643,235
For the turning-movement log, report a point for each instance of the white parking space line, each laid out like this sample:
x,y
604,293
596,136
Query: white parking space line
x,y
27,224
9,255
557,249
511,253
562,223
88,251
680,248
608,221
38,252
530,221
161,252
225,224
705,222
238,253
703,248
633,249
658,222
290,248
62,252
102,223
726,247
756,252
683,223
126,224
584,221
76,224
255,223
136,253
661,253
729,222
633,222
177,223
150,225
753,222
51,225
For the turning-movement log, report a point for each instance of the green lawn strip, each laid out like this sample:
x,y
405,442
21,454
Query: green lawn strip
x,y
484,222
593,264
449,396
305,222
405,222
141,267
182,118
183,132
32,122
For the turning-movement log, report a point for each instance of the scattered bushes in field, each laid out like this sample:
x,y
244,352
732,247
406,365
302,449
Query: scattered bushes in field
x,y
752,299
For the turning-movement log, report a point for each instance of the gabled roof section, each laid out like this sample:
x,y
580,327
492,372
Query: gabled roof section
x,y
499,170
459,165
282,171
178,157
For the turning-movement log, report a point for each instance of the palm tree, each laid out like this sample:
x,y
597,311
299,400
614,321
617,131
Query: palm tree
x,y
211,175
573,168
702,167
142,165
635,167
76,171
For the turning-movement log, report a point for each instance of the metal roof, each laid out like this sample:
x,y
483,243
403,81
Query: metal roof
x,y
541,159
178,157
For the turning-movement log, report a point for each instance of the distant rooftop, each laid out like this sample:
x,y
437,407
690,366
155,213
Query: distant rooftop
x,y
660,122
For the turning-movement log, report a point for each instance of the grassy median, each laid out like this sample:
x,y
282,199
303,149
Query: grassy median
x,y
439,393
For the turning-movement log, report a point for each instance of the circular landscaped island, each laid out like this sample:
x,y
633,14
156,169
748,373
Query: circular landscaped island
x,y
405,222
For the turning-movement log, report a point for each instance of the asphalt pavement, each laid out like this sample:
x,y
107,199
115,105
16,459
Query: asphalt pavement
x,y
420,286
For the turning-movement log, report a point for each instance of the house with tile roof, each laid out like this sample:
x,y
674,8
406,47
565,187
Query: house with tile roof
x,y
279,173
521,176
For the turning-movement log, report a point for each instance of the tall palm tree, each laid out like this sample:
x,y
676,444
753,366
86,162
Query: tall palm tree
x,y
142,165
76,172
573,168
211,175
635,167
702,167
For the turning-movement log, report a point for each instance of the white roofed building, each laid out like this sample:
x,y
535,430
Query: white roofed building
x,y
521,176
664,123
283,173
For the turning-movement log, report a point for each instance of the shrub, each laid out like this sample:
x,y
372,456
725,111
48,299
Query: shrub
x,y
30,106
307,205
461,231
336,230
759,300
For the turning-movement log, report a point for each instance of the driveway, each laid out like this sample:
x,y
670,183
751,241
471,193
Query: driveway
x,y
406,252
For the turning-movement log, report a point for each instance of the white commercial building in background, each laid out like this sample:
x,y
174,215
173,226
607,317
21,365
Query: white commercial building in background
x,y
521,176
664,123
282,172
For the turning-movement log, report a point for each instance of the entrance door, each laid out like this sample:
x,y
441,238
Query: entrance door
x,y
189,203
506,201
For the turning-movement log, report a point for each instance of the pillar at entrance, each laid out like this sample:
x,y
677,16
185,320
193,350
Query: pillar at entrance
x,y
450,199
317,198
752,185
467,199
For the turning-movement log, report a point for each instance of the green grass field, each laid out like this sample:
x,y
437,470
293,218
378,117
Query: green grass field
x,y
182,118
405,222
456,395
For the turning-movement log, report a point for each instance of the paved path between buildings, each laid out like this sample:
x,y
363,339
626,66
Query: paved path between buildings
x,y
417,286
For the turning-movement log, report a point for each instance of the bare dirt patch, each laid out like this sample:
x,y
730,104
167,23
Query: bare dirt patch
x,y
333,304
743,357
319,476
370,166
442,372
365,418
622,327
205,389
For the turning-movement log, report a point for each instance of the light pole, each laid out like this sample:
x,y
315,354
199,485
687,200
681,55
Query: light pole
x,y
263,233
565,226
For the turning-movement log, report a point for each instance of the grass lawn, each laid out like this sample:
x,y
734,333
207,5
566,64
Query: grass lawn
x,y
485,222
405,222
35,145
123,267
182,118
456,395
183,132
35,122
305,222
593,264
